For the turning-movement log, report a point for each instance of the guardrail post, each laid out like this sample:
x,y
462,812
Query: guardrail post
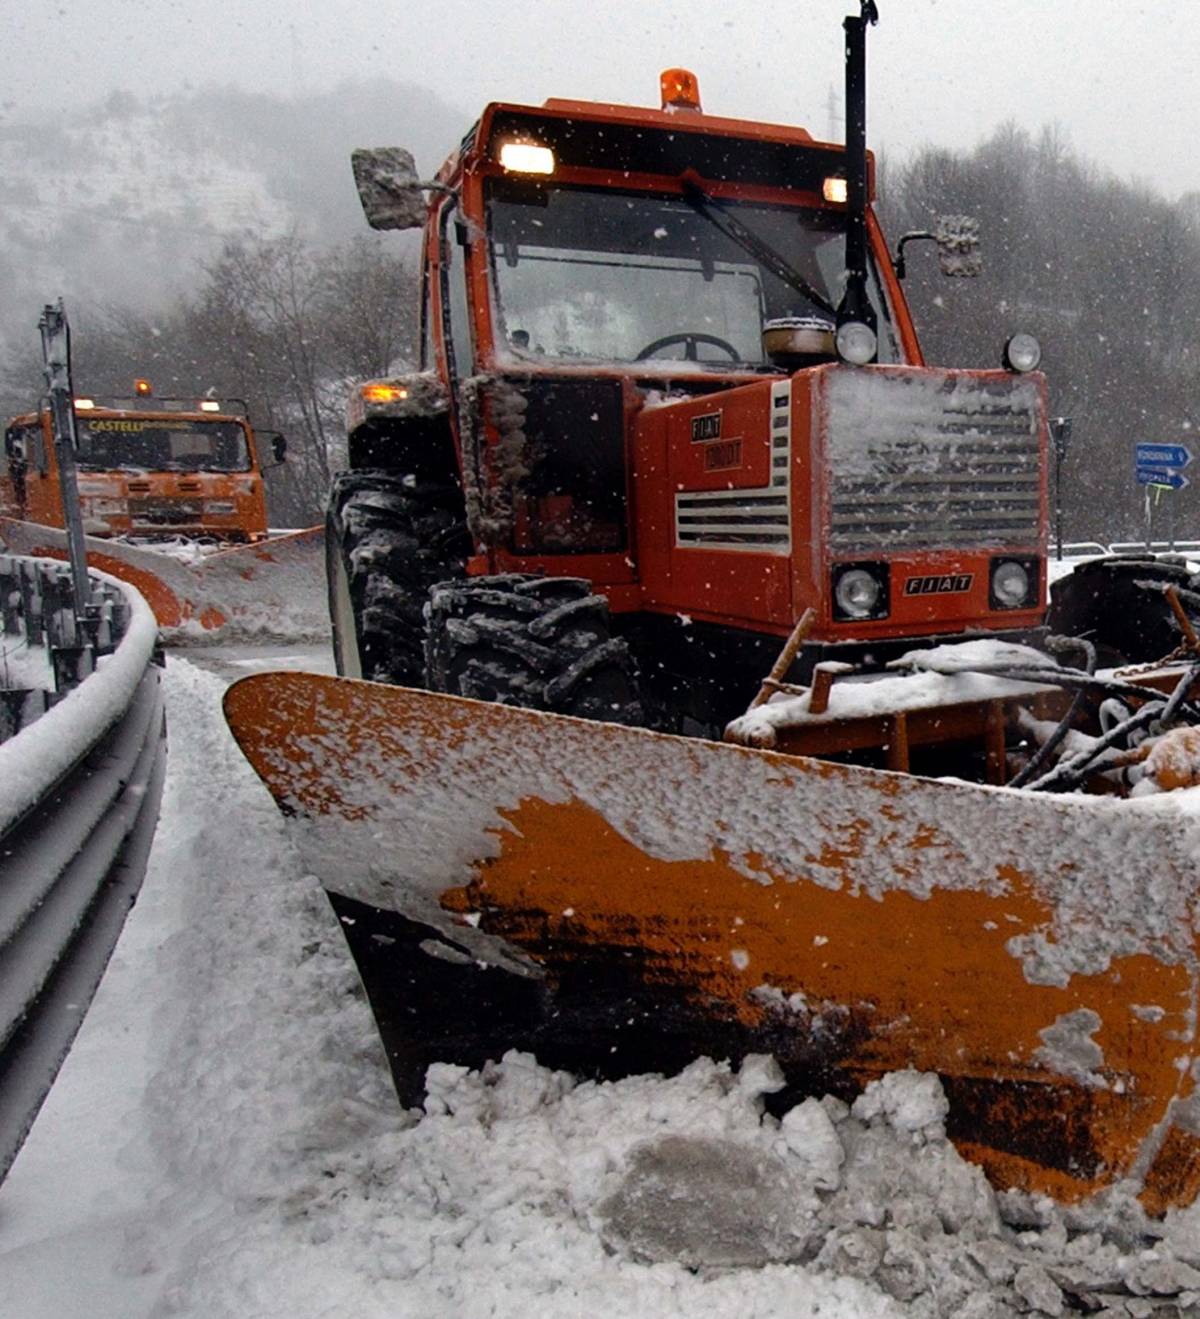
x,y
71,652
10,595
31,603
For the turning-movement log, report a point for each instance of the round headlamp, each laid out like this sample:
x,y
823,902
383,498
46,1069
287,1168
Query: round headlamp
x,y
857,593
1022,353
1010,584
856,343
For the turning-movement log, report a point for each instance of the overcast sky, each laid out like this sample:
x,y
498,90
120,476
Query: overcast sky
x,y
1120,78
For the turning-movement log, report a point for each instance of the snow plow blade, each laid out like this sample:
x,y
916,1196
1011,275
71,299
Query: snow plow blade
x,y
274,588
619,900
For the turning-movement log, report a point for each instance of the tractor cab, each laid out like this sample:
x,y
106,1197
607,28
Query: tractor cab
x,y
582,260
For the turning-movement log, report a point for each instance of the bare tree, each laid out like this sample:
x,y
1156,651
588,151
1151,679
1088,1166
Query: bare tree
x,y
283,326
1104,272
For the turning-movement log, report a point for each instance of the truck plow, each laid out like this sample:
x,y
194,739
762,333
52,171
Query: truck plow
x,y
619,900
272,588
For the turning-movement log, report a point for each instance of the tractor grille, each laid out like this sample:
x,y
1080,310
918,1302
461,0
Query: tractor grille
x,y
166,512
924,461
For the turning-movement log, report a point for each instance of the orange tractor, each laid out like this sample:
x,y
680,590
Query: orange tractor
x,y
673,424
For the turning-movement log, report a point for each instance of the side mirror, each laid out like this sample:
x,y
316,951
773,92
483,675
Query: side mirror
x,y
957,239
277,442
389,188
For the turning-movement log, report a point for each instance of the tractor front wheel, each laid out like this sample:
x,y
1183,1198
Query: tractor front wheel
x,y
539,642
1118,604
387,540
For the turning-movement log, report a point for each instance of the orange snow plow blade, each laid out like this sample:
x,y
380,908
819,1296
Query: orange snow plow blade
x,y
273,588
1038,952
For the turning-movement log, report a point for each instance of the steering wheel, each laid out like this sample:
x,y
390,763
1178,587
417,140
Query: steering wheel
x,y
689,339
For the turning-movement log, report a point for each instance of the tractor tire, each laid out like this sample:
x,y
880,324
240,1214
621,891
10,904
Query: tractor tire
x,y
387,540
1128,623
539,642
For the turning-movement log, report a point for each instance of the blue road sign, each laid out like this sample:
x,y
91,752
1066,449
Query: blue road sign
x,y
1162,455
1160,476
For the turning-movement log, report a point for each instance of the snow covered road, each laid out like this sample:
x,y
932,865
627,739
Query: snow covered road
x,y
224,1141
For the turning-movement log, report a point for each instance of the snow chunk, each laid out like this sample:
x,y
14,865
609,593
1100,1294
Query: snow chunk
x,y
700,1201
1067,1047
517,1087
759,1075
910,1102
809,1133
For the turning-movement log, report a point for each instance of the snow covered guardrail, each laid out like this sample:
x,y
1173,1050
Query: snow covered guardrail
x,y
1190,549
80,780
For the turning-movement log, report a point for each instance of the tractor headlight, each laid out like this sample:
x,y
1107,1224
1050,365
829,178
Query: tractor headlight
x,y
859,591
856,343
1022,353
1012,583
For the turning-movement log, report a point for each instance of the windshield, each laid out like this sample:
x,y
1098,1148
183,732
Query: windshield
x,y
162,443
600,275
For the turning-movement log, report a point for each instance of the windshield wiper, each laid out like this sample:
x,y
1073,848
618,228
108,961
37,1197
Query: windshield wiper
x,y
751,243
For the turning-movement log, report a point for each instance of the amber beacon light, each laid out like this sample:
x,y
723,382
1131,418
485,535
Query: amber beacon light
x,y
384,393
680,89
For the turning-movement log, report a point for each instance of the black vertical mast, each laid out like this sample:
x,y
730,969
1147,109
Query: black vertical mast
x,y
855,305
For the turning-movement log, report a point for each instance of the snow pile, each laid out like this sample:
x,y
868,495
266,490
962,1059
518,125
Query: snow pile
x,y
521,1191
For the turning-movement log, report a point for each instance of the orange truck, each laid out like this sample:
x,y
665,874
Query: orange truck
x,y
148,469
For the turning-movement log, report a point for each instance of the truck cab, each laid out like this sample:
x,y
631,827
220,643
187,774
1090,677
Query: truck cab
x,y
146,469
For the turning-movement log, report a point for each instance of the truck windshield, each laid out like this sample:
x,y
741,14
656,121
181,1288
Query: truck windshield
x,y
161,443
600,275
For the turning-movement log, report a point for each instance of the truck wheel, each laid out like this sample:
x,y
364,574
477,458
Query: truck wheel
x,y
540,642
386,541
1103,601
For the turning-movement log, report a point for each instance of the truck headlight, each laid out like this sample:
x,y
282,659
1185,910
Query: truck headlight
x,y
856,343
1012,583
1022,353
859,591
221,507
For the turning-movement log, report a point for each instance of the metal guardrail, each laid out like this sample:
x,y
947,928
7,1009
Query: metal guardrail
x,y
1081,549
1184,547
80,786
1085,549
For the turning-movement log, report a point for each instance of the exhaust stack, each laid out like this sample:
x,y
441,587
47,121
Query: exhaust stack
x,y
855,305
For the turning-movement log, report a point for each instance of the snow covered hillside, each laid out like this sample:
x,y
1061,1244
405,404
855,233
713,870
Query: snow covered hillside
x,y
223,1141
120,202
